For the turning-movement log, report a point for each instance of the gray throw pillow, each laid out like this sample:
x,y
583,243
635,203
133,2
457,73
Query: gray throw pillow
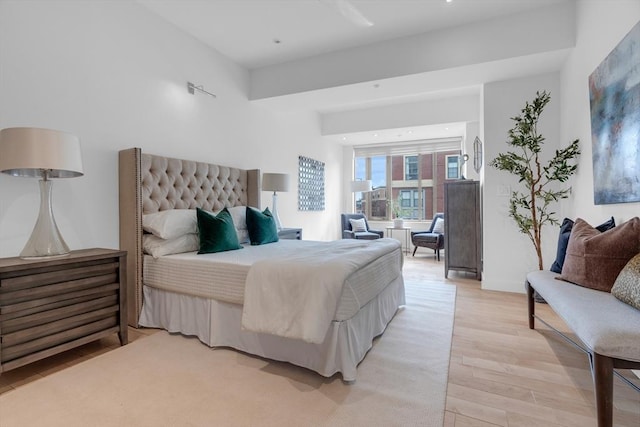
x,y
358,225
438,226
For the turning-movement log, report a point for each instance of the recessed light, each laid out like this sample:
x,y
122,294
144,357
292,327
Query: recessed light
x,y
375,135
344,138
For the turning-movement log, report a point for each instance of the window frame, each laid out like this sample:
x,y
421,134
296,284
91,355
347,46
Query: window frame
x,y
447,168
406,165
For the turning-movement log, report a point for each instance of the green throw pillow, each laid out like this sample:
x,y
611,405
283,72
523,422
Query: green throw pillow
x,y
217,232
262,227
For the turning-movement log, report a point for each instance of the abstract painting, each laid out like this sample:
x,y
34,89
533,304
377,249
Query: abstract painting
x,y
614,92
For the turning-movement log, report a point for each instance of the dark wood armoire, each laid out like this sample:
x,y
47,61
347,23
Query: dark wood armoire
x,y
462,227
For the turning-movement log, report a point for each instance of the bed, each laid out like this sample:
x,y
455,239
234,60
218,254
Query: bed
x,y
218,297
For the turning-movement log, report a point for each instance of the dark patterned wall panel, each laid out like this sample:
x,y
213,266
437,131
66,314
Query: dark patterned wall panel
x,y
310,184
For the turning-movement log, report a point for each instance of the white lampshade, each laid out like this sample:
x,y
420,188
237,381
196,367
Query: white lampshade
x,y
29,151
44,154
275,182
359,186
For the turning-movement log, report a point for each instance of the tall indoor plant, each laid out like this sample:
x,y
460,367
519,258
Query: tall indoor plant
x,y
531,207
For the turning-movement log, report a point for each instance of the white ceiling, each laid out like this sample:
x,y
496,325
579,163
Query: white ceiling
x,y
246,30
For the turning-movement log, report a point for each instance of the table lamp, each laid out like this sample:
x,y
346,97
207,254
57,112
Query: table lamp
x,y
275,182
44,154
361,186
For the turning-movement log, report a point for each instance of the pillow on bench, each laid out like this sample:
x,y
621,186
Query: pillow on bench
x,y
563,241
595,259
627,286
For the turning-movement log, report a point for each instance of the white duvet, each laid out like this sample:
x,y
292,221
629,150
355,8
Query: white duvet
x,y
297,297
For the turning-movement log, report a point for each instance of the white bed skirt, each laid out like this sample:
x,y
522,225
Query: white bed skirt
x,y
218,324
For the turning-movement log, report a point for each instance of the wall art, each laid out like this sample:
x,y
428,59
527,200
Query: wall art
x,y
310,184
614,92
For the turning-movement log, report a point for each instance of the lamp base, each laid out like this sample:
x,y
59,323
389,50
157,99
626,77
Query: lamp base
x,y
46,240
275,215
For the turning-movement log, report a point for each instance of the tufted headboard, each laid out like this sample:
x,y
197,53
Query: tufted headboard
x,y
150,183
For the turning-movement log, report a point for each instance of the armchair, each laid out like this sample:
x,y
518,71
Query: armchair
x,y
348,233
429,239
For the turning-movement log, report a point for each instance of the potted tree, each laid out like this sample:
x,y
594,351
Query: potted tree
x,y
531,207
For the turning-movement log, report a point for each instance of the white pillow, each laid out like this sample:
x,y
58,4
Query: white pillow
x,y
157,247
439,226
239,217
358,225
171,223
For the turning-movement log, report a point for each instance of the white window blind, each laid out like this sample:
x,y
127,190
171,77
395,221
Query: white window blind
x,y
425,146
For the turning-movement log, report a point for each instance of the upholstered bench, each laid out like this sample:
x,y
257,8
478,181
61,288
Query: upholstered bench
x,y
609,330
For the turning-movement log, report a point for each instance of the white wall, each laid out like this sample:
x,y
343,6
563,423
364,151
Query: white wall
x,y
115,75
507,253
600,27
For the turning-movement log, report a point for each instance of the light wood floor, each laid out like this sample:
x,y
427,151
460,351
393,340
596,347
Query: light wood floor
x,y
501,373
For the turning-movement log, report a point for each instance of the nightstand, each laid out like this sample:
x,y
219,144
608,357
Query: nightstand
x,y
290,233
51,305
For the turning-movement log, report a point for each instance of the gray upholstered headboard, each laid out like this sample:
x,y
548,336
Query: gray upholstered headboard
x,y
150,183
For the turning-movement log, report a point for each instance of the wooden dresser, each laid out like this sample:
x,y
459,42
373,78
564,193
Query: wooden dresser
x,y
462,227
51,305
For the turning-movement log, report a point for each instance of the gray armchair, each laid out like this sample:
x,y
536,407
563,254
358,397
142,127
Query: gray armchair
x,y
348,233
428,239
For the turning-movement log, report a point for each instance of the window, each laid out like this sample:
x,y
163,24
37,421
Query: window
x,y
453,168
408,179
411,204
410,168
373,203
405,199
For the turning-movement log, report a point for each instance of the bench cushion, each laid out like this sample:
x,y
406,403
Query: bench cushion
x,y
603,323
